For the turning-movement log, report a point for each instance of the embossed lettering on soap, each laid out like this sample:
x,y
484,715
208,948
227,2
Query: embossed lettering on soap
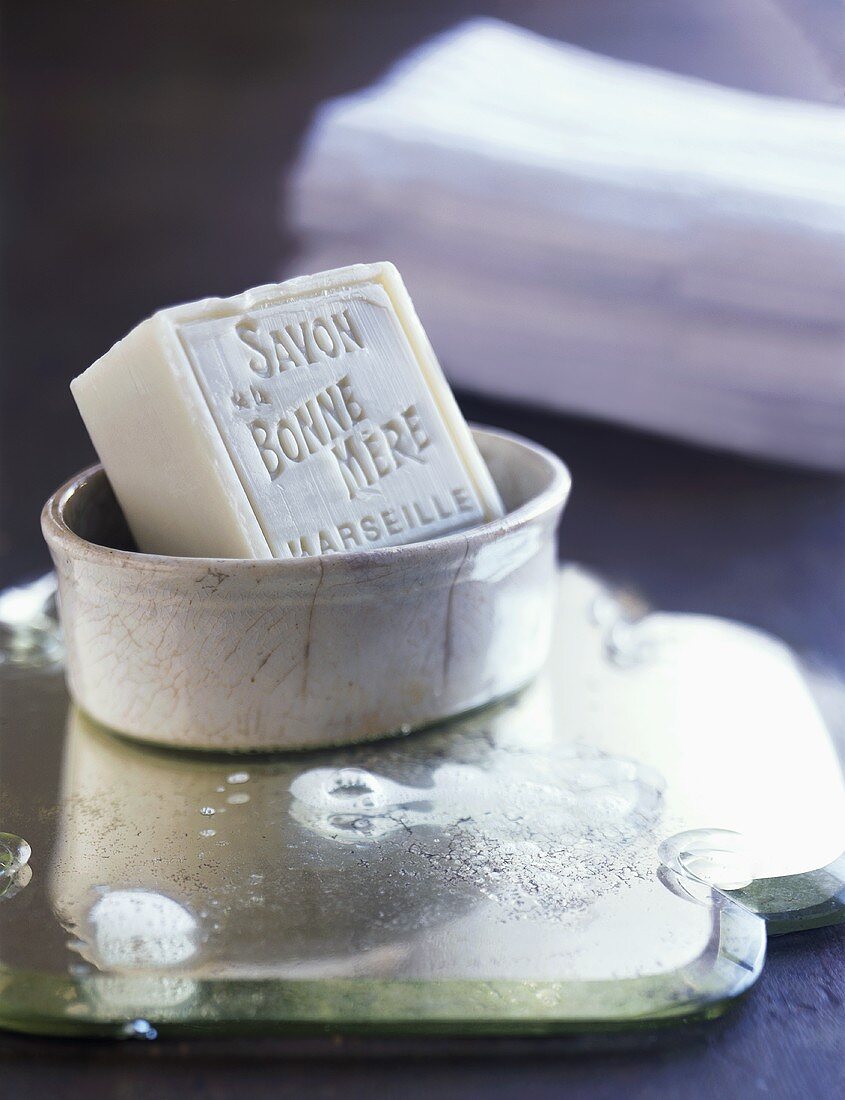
x,y
330,424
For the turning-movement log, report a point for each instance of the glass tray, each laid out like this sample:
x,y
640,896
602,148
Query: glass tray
x,y
604,851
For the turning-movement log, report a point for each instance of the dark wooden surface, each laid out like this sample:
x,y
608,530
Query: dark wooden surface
x,y
143,148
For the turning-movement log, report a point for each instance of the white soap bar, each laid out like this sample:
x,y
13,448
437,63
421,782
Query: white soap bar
x,y
295,419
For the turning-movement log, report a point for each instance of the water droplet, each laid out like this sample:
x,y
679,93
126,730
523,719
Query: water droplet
x,y
621,645
208,832
14,853
207,811
604,610
139,1029
29,627
238,777
238,799
719,858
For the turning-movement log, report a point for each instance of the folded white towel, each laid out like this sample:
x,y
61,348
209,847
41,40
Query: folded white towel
x,y
600,237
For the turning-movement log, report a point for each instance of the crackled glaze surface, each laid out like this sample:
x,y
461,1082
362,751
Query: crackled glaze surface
x,y
232,654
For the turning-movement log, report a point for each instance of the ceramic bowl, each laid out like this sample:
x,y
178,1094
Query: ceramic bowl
x,y
242,655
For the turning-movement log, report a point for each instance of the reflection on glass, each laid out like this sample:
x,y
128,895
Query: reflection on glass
x,y
724,713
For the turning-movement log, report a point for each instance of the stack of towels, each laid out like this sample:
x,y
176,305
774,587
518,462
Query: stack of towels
x,y
599,237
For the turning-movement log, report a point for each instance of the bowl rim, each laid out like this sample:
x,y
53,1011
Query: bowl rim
x,y
60,536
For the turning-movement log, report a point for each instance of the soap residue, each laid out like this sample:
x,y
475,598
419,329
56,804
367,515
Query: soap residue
x,y
530,831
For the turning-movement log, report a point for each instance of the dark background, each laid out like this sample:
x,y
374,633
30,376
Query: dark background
x,y
143,152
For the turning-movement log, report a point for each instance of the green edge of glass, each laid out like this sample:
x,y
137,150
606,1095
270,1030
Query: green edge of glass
x,y
41,1004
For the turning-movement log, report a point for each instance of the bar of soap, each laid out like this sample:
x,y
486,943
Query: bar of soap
x,y
295,419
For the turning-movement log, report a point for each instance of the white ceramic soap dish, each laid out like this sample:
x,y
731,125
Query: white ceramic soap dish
x,y
241,655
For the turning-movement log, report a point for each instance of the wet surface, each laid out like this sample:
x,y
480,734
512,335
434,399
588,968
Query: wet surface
x,y
605,847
